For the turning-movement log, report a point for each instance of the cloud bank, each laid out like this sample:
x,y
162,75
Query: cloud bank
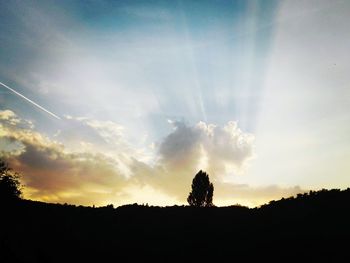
x,y
111,170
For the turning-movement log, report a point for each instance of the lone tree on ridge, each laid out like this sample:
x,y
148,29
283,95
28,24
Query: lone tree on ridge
x,y
202,191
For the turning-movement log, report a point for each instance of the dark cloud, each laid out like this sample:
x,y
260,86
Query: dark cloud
x,y
181,147
53,174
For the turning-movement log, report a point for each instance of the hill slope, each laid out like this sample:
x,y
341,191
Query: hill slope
x,y
311,226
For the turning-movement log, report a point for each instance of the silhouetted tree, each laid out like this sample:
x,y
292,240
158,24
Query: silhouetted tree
x,y
10,186
202,191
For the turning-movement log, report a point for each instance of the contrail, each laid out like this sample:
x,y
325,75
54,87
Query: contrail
x,y
32,102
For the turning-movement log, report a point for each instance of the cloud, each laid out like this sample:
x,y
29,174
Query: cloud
x,y
181,147
218,150
83,134
89,176
8,117
52,174
107,134
225,149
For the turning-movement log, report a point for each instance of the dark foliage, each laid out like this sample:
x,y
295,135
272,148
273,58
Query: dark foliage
x,y
202,191
10,186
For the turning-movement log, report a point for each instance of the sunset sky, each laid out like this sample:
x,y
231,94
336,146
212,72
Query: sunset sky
x,y
129,99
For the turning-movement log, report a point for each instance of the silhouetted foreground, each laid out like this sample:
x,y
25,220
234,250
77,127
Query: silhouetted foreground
x,y
310,227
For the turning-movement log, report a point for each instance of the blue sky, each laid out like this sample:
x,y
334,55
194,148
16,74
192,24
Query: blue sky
x,y
130,79
186,57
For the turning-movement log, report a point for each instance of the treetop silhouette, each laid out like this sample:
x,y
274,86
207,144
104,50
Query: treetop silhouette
x,y
202,191
10,185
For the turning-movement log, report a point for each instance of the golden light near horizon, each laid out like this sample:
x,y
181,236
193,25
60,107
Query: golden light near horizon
x,y
124,102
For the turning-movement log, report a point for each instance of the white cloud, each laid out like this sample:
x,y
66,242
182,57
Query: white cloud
x,y
108,130
106,133
225,149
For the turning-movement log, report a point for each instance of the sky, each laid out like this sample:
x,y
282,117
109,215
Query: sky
x,y
116,102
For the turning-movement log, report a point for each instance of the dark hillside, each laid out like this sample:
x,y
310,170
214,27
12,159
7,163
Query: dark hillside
x,y
310,226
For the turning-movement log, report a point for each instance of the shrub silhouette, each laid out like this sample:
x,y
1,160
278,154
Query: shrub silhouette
x,y
202,191
10,186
